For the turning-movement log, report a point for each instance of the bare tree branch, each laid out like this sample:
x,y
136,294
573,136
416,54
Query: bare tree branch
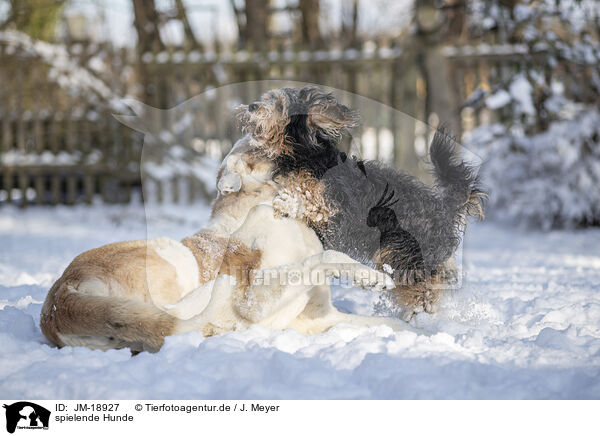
x,y
189,32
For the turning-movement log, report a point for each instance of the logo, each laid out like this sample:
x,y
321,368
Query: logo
x,y
26,415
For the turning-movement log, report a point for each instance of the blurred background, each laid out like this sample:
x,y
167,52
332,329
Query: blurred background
x,y
517,82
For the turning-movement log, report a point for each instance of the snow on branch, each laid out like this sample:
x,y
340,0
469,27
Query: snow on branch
x,y
64,70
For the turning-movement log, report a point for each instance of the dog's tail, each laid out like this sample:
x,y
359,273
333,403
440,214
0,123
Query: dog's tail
x,y
458,181
73,318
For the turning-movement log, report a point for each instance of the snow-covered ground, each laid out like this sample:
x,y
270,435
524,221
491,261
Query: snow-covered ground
x,y
526,324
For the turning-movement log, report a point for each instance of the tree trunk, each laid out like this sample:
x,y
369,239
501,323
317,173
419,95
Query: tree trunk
x,y
440,98
349,31
37,18
405,103
146,24
190,38
311,34
257,15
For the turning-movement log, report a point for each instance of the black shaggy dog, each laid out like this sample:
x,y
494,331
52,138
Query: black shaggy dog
x,y
370,211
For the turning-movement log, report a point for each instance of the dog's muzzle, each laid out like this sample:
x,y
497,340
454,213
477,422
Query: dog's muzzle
x,y
229,183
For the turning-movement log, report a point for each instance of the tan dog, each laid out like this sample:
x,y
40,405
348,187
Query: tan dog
x,y
239,272
112,296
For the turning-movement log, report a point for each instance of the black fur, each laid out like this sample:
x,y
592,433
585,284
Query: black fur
x,y
383,217
314,150
316,160
455,178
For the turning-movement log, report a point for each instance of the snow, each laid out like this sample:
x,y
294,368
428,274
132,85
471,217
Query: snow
x,y
520,91
497,100
526,324
21,158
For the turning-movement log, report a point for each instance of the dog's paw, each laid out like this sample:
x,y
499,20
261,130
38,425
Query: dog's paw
x,y
423,302
374,280
384,282
407,315
335,257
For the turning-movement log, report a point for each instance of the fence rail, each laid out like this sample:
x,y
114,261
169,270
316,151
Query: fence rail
x,y
60,144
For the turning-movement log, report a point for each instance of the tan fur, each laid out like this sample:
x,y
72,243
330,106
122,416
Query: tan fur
x,y
103,290
472,207
417,298
218,255
267,123
417,294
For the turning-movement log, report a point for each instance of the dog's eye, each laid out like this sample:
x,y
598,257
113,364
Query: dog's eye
x,y
279,107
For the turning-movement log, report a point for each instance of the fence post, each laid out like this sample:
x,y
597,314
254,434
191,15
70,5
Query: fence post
x,y
441,98
405,101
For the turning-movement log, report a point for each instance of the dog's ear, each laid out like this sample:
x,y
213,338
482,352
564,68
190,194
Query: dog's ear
x,y
325,114
332,118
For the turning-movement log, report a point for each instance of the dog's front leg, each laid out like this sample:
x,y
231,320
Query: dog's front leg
x,y
319,325
276,296
338,264
320,315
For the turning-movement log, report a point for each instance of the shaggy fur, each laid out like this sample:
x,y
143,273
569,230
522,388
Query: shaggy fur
x,y
302,197
374,213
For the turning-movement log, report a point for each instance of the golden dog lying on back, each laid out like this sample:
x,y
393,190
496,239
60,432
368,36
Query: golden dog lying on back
x,y
133,294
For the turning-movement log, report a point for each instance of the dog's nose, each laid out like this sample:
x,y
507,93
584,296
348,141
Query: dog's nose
x,y
252,107
229,183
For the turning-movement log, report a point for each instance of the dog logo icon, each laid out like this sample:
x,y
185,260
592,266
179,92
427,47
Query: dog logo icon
x,y
26,415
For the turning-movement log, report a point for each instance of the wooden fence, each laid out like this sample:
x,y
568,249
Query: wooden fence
x,y
61,145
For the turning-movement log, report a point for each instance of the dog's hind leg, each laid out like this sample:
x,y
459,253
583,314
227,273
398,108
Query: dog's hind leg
x,y
219,315
73,318
193,303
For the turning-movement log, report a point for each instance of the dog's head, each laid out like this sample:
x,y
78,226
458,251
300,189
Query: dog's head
x,y
242,170
287,121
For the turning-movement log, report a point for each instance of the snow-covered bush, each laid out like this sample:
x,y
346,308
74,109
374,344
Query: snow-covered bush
x,y
541,148
550,179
